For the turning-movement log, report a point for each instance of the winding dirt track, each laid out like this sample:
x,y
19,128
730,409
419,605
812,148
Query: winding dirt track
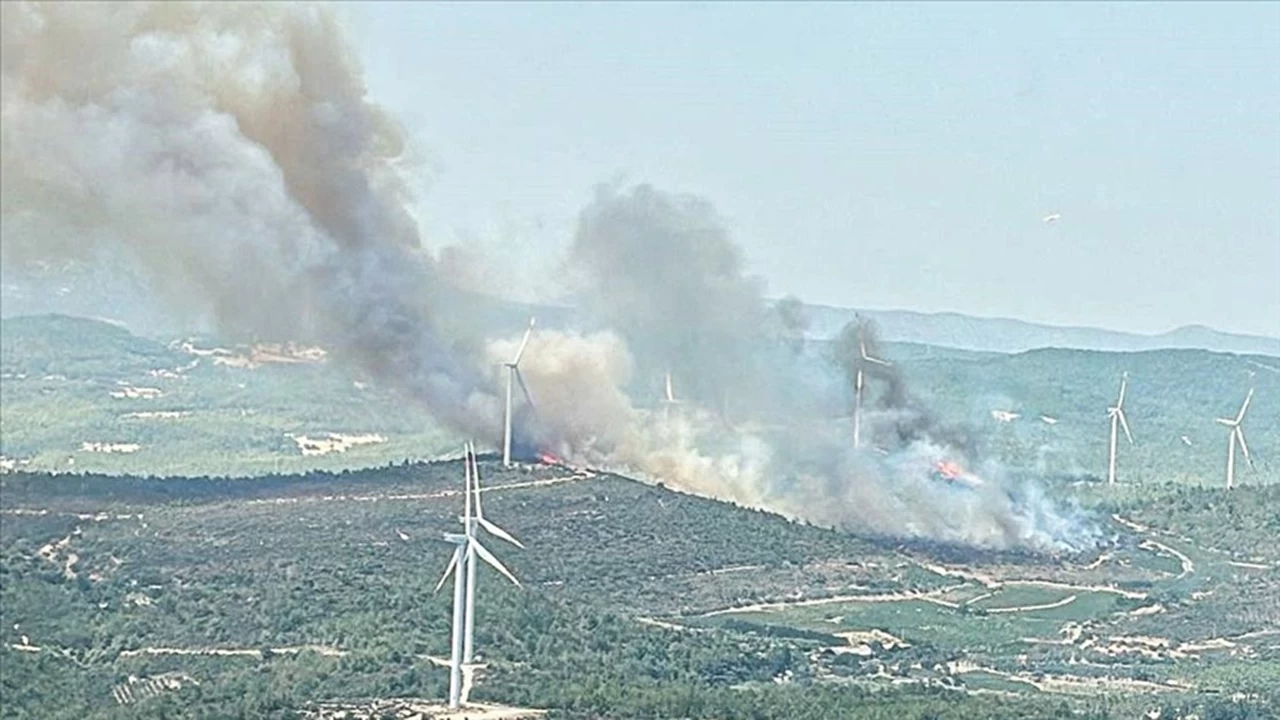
x,y
1031,608
992,583
931,596
1188,567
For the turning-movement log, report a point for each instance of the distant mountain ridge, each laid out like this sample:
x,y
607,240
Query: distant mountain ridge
x,y
1005,335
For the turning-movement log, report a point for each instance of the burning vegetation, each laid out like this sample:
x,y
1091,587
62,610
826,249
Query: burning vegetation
x,y
231,153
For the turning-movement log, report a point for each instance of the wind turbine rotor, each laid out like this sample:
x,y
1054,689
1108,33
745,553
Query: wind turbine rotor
x,y
1245,406
524,343
487,525
1239,433
499,532
1124,424
524,388
493,561
448,569
467,458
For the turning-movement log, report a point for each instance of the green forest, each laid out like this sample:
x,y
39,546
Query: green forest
x,y
321,585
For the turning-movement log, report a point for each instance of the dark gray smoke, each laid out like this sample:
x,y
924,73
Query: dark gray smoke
x,y
898,418
792,322
660,269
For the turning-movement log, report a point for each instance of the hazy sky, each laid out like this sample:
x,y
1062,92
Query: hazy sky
x,y
876,155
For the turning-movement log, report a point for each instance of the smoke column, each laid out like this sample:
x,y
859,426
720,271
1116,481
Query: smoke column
x,y
229,152
661,270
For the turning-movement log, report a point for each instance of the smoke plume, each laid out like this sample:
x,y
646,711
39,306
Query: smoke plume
x,y
896,419
582,412
661,270
229,152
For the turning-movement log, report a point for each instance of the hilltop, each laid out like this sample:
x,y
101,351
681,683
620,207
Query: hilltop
x,y
494,315
1005,335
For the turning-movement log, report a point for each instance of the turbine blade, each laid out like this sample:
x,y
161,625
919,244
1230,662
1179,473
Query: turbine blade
x,y
499,532
1244,446
1124,385
525,389
671,396
1225,421
1125,424
523,343
1245,406
476,485
862,347
876,361
453,560
489,558
466,503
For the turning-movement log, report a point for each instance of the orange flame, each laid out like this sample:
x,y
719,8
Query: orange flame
x,y
950,470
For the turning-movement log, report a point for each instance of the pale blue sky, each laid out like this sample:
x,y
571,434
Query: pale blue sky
x,y
877,155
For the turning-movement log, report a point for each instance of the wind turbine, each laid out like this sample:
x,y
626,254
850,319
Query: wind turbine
x,y
513,375
857,393
473,474
462,566
668,395
1236,435
1116,413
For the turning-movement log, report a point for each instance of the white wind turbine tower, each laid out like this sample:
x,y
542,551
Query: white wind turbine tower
x,y
462,565
513,375
857,393
1236,435
1116,413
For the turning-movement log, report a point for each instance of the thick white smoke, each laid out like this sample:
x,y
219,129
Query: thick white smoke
x,y
584,415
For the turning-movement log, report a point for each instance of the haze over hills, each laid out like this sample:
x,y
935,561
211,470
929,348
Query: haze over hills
x,y
87,295
1007,335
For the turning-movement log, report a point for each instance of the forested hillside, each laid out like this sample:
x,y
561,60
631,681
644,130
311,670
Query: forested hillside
x,y
224,598
192,406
